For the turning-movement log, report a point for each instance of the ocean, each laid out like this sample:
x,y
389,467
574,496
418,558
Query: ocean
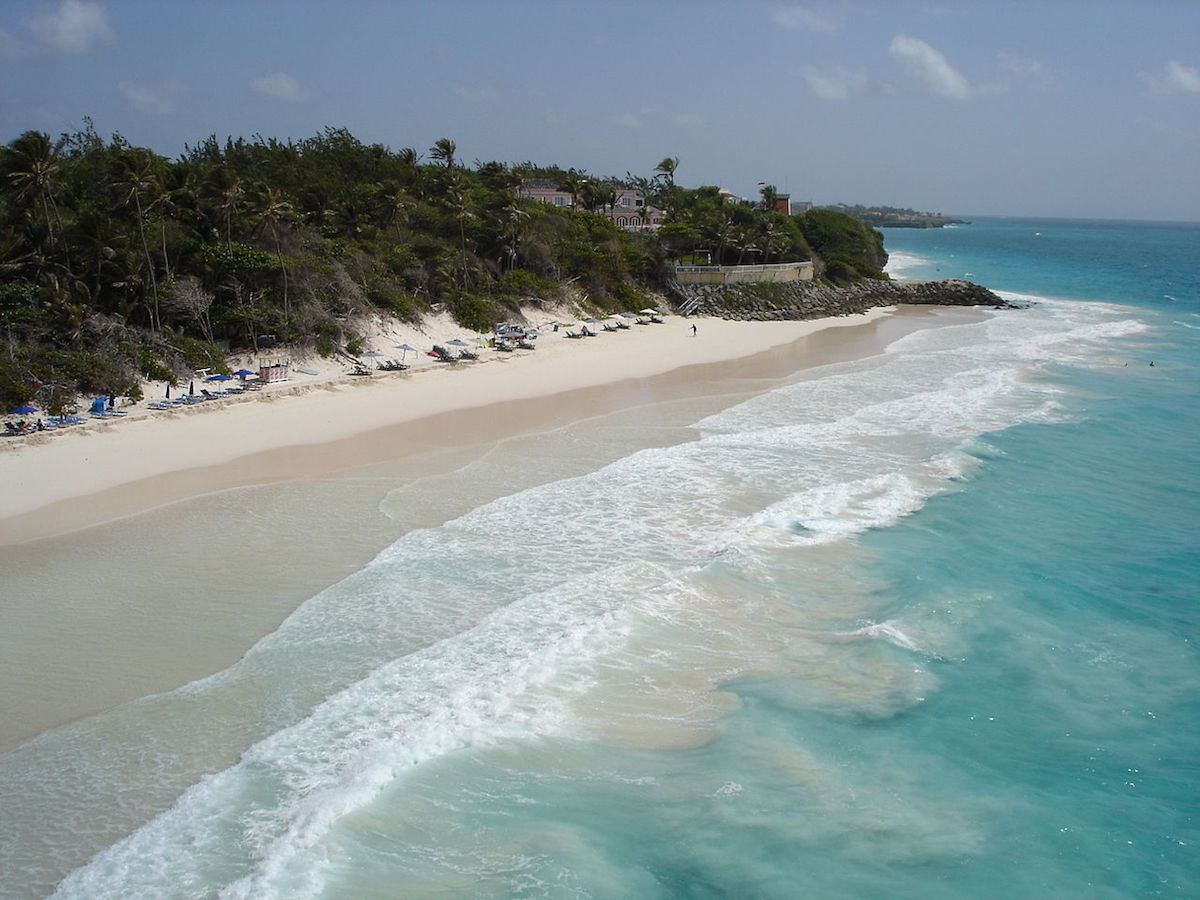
x,y
919,625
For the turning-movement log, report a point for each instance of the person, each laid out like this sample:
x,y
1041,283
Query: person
x,y
112,401
693,329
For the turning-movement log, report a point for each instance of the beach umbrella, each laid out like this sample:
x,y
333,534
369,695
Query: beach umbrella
x,y
244,373
22,411
404,348
372,353
628,315
648,311
457,343
192,389
218,378
168,395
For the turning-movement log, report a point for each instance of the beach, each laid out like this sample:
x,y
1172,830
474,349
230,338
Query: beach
x,y
313,424
74,652
148,553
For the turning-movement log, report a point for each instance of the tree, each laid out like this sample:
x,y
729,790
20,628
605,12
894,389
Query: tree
x,y
666,170
273,209
572,181
31,164
138,177
769,195
443,149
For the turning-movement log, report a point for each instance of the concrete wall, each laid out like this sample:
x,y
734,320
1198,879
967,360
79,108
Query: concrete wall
x,y
798,271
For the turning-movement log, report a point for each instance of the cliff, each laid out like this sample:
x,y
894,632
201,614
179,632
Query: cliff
x,y
806,300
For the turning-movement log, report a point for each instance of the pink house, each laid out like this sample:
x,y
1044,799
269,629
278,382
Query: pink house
x,y
629,212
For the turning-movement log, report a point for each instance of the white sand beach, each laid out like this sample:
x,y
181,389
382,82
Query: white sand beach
x,y
146,552
102,470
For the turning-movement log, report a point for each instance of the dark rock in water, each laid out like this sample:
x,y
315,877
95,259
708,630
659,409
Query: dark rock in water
x,y
806,300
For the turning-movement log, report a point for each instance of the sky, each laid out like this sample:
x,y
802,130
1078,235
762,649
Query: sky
x,y
1021,107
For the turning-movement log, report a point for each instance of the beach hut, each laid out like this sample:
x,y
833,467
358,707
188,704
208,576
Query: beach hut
x,y
274,368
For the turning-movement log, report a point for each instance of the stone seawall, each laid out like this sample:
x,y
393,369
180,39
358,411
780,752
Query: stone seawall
x,y
805,300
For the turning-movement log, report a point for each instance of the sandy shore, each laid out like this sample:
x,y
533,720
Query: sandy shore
x,y
97,617
105,470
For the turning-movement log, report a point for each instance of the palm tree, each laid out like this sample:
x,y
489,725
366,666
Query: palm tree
x,y
769,194
35,161
456,201
272,209
510,222
666,170
572,181
138,177
443,149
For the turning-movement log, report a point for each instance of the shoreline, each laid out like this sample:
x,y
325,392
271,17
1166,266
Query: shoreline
x,y
61,483
173,592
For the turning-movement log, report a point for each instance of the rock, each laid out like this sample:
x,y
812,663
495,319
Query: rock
x,y
808,300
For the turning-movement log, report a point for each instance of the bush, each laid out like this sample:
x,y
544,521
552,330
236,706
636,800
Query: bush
x,y
523,283
474,312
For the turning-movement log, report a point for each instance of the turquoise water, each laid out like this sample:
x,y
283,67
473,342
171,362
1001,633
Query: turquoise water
x,y
919,625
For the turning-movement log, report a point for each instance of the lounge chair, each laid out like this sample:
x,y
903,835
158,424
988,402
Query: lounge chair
x,y
467,354
441,354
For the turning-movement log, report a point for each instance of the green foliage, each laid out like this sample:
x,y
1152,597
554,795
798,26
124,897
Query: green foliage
x,y
197,354
523,283
119,262
399,303
475,312
851,250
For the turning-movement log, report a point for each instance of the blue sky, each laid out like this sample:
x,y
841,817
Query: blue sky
x,y
1087,109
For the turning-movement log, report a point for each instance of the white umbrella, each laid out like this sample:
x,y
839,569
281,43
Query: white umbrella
x,y
405,348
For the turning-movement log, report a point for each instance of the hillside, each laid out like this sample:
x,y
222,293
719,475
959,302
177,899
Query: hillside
x,y
119,265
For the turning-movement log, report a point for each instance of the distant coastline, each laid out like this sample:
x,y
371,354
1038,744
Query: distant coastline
x,y
894,217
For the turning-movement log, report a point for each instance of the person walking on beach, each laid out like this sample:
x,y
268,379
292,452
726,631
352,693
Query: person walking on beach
x,y
693,329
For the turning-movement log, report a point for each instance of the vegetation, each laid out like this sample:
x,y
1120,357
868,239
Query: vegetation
x,y
118,264
896,217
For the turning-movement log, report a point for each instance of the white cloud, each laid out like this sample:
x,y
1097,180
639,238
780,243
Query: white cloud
x,y
154,98
73,27
281,86
1176,78
1028,71
801,18
837,83
929,67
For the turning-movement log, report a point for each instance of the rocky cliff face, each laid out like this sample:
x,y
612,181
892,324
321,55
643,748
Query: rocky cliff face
x,y
805,300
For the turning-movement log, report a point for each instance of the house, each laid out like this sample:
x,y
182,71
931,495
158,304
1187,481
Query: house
x,y
629,211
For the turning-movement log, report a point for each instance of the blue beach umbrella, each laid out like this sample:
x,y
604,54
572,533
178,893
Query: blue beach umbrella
x,y
22,411
218,378
242,373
